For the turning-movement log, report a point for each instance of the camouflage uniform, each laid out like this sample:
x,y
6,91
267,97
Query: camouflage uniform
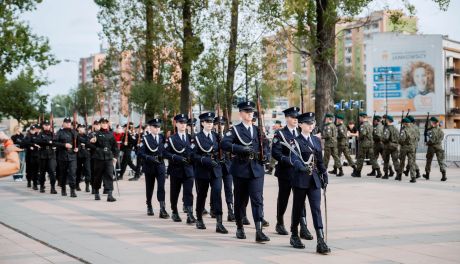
x,y
365,149
390,148
377,135
342,144
417,139
329,134
407,142
435,137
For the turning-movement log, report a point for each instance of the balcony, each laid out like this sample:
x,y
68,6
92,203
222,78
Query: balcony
x,y
452,70
455,111
455,91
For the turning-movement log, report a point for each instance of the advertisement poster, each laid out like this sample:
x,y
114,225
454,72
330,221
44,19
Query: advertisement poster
x,y
404,72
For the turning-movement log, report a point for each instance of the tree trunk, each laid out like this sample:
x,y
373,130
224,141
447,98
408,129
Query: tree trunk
x,y
149,41
186,56
231,67
324,57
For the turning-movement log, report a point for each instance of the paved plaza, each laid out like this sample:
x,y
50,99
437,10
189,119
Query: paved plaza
x,y
370,221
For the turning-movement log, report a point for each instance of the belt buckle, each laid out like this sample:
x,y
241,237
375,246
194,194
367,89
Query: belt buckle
x,y
106,148
251,156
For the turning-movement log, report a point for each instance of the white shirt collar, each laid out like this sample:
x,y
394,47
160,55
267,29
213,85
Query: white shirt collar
x,y
306,136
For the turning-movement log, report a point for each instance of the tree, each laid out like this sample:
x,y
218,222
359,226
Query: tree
x,y
19,46
350,86
23,102
61,105
313,23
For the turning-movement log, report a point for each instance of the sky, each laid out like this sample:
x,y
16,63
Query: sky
x,y
73,31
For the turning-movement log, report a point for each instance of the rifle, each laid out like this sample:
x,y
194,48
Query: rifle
x,y
75,127
140,125
301,97
425,132
192,123
402,117
358,126
260,125
219,126
408,111
52,121
125,141
86,114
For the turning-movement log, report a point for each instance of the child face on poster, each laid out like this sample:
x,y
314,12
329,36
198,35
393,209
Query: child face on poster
x,y
420,79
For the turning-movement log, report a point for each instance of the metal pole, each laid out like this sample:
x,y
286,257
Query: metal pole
x,y
246,71
301,96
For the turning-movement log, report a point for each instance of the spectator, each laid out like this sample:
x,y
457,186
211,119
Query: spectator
x,y
11,164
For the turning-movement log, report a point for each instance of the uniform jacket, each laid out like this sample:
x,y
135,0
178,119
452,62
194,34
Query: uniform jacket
x,y
206,151
175,150
342,138
83,148
377,133
29,145
46,141
151,151
435,137
329,134
365,135
390,137
280,153
105,147
64,136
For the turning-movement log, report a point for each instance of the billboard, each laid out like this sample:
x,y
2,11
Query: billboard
x,y
405,72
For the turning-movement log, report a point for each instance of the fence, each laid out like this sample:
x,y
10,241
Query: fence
x,y
452,149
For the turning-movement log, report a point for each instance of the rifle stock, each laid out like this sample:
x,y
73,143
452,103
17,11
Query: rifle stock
x,y
260,125
425,132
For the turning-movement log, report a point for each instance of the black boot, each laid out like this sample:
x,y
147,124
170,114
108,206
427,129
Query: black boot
x,y
426,175
175,217
260,236
406,172
97,197
53,190
87,187
29,184
245,220
340,172
190,218
63,191
231,215
334,171
296,242
321,246
72,193
42,188
135,178
413,180
372,173
78,187
304,232
392,172
240,234
35,187
92,190
105,191
385,176
417,174
110,198
199,223
265,223
379,173
163,213
356,173
280,229
150,210
211,213
444,178
220,228
398,177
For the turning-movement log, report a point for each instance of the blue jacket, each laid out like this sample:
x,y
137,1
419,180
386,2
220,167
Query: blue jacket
x,y
301,179
242,166
280,153
150,150
175,150
206,151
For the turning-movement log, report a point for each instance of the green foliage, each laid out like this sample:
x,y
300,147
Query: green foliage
x,y
84,99
19,46
349,86
21,98
62,105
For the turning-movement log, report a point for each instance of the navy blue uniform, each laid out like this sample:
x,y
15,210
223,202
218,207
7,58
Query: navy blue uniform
x,y
151,152
208,172
32,159
305,185
67,158
247,170
180,168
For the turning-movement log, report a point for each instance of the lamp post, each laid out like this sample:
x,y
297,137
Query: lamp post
x,y
246,73
301,92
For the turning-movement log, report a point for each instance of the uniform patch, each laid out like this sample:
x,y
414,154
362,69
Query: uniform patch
x,y
192,146
228,133
275,140
165,145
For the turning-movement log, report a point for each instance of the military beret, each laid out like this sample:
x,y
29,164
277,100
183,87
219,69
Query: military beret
x,y
340,116
411,118
96,122
247,106
434,119
81,126
405,120
390,118
209,116
308,117
292,111
377,117
181,118
278,122
364,114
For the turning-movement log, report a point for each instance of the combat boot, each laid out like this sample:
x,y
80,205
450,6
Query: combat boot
x,y
417,174
296,242
260,236
245,220
53,190
42,188
150,210
321,246
406,172
413,180
97,197
398,177
353,166
163,213
240,234
220,228
426,175
29,184
199,223
211,213
190,218
175,217
334,171
110,198
231,215
265,223
87,187
372,173
63,191
385,176
340,172
444,178
392,172
280,229
78,187
35,187
304,232
356,173
379,173
72,193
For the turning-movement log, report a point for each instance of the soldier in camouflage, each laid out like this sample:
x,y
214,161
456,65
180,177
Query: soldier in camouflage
x,y
407,142
390,146
342,143
329,134
434,140
377,135
365,147
417,139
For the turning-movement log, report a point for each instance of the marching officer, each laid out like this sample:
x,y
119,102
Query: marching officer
x,y
342,143
139,162
310,175
329,134
284,171
227,177
179,151
377,135
105,155
247,169
32,156
96,127
151,152
67,143
390,141
435,136
208,172
47,157
83,158
365,147
407,140
127,145
417,139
